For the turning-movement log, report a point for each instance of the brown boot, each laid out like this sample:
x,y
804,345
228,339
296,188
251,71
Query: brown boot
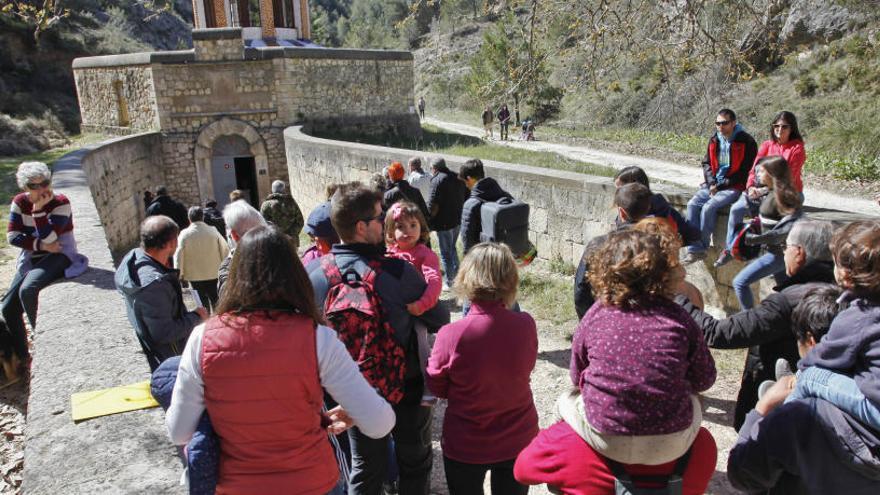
x,y
11,367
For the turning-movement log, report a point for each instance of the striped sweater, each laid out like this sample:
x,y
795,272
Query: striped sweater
x,y
30,229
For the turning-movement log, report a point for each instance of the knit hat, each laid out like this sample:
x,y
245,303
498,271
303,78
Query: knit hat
x,y
395,171
319,224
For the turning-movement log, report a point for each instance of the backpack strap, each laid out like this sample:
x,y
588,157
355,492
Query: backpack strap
x,y
331,270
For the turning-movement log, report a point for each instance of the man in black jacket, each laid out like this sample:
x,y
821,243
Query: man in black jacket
x,y
483,190
445,201
766,329
165,205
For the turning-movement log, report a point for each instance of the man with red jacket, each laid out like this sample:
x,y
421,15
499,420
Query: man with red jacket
x,y
729,158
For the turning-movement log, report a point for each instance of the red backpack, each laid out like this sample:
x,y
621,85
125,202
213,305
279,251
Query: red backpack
x,y
354,310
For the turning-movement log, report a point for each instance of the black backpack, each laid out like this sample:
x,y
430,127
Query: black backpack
x,y
672,484
506,221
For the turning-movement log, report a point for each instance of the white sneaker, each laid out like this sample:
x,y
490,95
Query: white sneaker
x,y
782,368
764,387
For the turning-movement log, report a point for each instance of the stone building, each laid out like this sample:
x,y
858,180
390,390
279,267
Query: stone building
x,y
220,108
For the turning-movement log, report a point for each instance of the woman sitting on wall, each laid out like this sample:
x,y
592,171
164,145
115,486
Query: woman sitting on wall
x,y
259,367
41,224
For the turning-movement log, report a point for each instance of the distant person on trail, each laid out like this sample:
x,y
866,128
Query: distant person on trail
x,y
785,141
445,202
726,166
153,297
421,108
504,121
281,209
163,204
488,118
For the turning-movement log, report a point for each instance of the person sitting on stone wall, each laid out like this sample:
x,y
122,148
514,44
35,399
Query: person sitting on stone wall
x,y
401,190
41,225
240,217
660,207
281,209
765,330
163,204
153,296
200,250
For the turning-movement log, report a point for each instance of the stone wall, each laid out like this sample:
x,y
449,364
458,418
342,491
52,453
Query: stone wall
x,y
567,209
118,172
120,100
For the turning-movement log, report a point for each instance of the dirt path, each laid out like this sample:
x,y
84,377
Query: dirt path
x,y
683,175
550,379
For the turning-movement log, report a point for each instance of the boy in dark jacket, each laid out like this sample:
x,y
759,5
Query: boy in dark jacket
x,y
729,158
483,190
660,207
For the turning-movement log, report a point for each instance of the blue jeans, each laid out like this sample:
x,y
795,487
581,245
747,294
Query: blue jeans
x,y
702,212
764,266
738,212
839,390
22,297
448,253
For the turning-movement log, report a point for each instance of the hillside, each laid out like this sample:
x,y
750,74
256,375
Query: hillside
x,y
38,107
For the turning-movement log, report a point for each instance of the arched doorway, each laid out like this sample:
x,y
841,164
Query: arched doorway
x,y
230,154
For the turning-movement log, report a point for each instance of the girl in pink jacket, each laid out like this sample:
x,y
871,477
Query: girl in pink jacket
x,y
406,235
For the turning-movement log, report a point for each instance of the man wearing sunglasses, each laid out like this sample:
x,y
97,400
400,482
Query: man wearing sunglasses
x,y
729,158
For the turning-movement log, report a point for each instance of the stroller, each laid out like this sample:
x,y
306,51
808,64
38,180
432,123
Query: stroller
x,y
528,130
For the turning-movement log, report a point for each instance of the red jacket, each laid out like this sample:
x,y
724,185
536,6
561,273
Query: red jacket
x,y
794,154
562,459
264,397
743,150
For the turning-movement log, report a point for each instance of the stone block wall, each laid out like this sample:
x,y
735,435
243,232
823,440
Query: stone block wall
x,y
567,209
102,90
118,172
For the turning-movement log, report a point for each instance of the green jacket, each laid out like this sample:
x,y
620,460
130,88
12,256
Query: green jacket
x,y
282,210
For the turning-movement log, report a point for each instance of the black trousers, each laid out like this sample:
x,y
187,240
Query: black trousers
x,y
207,290
467,479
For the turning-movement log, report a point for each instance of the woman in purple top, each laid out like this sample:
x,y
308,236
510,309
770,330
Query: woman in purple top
x,y
482,365
637,357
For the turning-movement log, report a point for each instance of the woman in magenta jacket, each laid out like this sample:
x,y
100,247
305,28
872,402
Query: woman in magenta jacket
x,y
482,365
785,141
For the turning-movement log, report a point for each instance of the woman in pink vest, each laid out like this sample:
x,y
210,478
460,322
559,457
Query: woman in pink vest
x,y
260,368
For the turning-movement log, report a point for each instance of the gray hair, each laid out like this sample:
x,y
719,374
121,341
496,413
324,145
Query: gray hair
x,y
195,214
814,237
240,217
278,186
415,163
29,171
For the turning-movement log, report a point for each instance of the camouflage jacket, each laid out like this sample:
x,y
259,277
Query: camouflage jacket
x,y
282,210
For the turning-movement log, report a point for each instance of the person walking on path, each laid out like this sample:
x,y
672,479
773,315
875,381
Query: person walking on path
x,y
729,158
163,204
421,108
200,250
785,141
281,209
488,118
445,202
482,364
152,292
41,225
357,213
504,121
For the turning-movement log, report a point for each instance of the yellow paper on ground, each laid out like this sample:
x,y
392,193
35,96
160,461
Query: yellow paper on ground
x,y
88,405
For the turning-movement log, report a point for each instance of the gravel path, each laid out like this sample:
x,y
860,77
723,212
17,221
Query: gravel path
x,y
683,175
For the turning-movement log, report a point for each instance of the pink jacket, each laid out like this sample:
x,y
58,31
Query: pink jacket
x,y
427,262
794,154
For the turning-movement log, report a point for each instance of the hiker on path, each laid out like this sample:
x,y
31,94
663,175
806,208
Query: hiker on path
x,y
421,108
153,296
488,118
504,121
726,166
281,209
41,225
357,215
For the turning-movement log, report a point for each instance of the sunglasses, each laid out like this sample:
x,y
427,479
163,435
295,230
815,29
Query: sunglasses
x,y
782,126
379,218
721,123
38,185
